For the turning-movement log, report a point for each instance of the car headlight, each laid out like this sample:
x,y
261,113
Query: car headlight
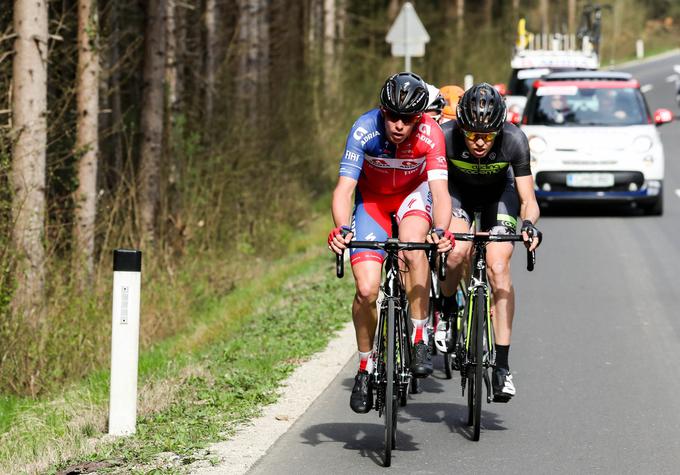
x,y
537,145
642,144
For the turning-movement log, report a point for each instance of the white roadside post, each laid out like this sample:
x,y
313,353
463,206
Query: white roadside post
x,y
468,81
640,49
127,267
407,35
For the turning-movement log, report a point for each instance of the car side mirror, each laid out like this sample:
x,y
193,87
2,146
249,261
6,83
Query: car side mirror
x,y
501,88
514,117
662,116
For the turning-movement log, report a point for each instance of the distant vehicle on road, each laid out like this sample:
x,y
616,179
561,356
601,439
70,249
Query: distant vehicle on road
x,y
593,139
537,55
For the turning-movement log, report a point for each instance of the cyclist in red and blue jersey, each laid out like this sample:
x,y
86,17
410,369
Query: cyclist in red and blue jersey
x,y
394,162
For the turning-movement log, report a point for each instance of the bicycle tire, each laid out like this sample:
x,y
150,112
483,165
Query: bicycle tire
x,y
480,317
405,357
447,365
390,400
467,367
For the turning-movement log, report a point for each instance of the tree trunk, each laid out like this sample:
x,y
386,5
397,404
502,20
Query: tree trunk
x,y
393,10
114,167
488,13
341,23
329,44
171,72
87,148
572,17
460,22
209,19
263,58
152,118
29,108
545,27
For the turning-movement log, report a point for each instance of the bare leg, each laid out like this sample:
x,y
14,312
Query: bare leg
x,y
498,264
364,313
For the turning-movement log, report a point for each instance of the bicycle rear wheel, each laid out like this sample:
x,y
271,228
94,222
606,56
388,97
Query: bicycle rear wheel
x,y
390,412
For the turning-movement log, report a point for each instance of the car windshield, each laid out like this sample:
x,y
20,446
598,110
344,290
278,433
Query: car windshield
x,y
572,105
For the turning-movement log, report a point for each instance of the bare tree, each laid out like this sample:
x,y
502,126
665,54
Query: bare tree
x,y
171,70
393,10
545,26
29,108
87,92
263,55
209,19
460,23
152,117
572,16
488,13
341,23
329,43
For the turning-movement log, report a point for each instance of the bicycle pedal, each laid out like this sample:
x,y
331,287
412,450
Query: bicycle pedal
x,y
501,399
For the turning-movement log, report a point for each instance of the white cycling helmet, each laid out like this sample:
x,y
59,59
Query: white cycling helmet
x,y
436,102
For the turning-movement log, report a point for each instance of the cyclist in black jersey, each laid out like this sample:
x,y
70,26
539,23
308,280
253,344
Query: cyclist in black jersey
x,y
489,168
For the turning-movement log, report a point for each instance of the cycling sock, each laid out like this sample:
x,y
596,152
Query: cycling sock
x,y
419,331
502,356
366,361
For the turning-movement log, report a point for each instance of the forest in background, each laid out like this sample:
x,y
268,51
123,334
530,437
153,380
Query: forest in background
x,y
205,133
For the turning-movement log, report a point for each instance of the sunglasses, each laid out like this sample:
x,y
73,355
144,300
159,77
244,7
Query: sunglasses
x,y
405,118
474,136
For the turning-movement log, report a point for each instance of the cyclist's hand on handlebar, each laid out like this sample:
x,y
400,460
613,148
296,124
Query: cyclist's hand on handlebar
x,y
338,239
532,236
443,239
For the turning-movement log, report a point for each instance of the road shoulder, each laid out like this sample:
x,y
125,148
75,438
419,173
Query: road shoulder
x,y
252,441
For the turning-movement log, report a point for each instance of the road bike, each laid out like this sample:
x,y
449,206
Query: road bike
x,y
475,351
392,376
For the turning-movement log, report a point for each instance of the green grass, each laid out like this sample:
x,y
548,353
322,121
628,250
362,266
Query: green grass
x,y
196,386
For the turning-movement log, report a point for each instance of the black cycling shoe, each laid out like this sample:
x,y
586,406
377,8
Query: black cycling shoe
x,y
503,387
422,362
361,400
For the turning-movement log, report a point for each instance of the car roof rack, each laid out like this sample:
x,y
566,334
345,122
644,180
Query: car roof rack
x,y
588,76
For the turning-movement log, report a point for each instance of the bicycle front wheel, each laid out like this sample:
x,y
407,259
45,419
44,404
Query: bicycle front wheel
x,y
476,384
390,395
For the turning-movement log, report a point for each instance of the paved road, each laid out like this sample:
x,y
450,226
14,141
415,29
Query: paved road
x,y
596,352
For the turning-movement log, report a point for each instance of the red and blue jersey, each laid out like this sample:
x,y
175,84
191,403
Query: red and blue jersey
x,y
385,168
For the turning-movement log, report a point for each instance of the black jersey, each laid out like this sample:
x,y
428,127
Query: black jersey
x,y
510,151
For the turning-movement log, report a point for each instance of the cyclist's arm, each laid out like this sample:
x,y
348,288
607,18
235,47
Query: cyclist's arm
x,y
441,203
437,177
528,206
341,206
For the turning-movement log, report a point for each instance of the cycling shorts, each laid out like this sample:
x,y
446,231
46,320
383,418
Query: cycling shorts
x,y
500,207
372,222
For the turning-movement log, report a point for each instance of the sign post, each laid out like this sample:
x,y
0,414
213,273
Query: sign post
x,y
407,35
127,267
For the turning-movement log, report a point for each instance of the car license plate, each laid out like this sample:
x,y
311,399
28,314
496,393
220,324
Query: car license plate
x,y
590,180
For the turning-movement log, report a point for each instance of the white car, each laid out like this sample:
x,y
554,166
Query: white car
x,y
592,138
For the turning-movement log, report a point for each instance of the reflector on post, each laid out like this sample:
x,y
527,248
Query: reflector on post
x,y
127,267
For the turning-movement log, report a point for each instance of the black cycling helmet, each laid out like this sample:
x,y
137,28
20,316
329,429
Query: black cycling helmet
x,y
481,109
404,93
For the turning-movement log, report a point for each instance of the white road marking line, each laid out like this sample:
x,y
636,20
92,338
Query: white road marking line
x,y
646,88
672,78
677,192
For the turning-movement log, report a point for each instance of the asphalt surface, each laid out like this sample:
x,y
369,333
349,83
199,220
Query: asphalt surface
x,y
595,357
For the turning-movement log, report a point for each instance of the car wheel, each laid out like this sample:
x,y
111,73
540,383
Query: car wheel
x,y
655,208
